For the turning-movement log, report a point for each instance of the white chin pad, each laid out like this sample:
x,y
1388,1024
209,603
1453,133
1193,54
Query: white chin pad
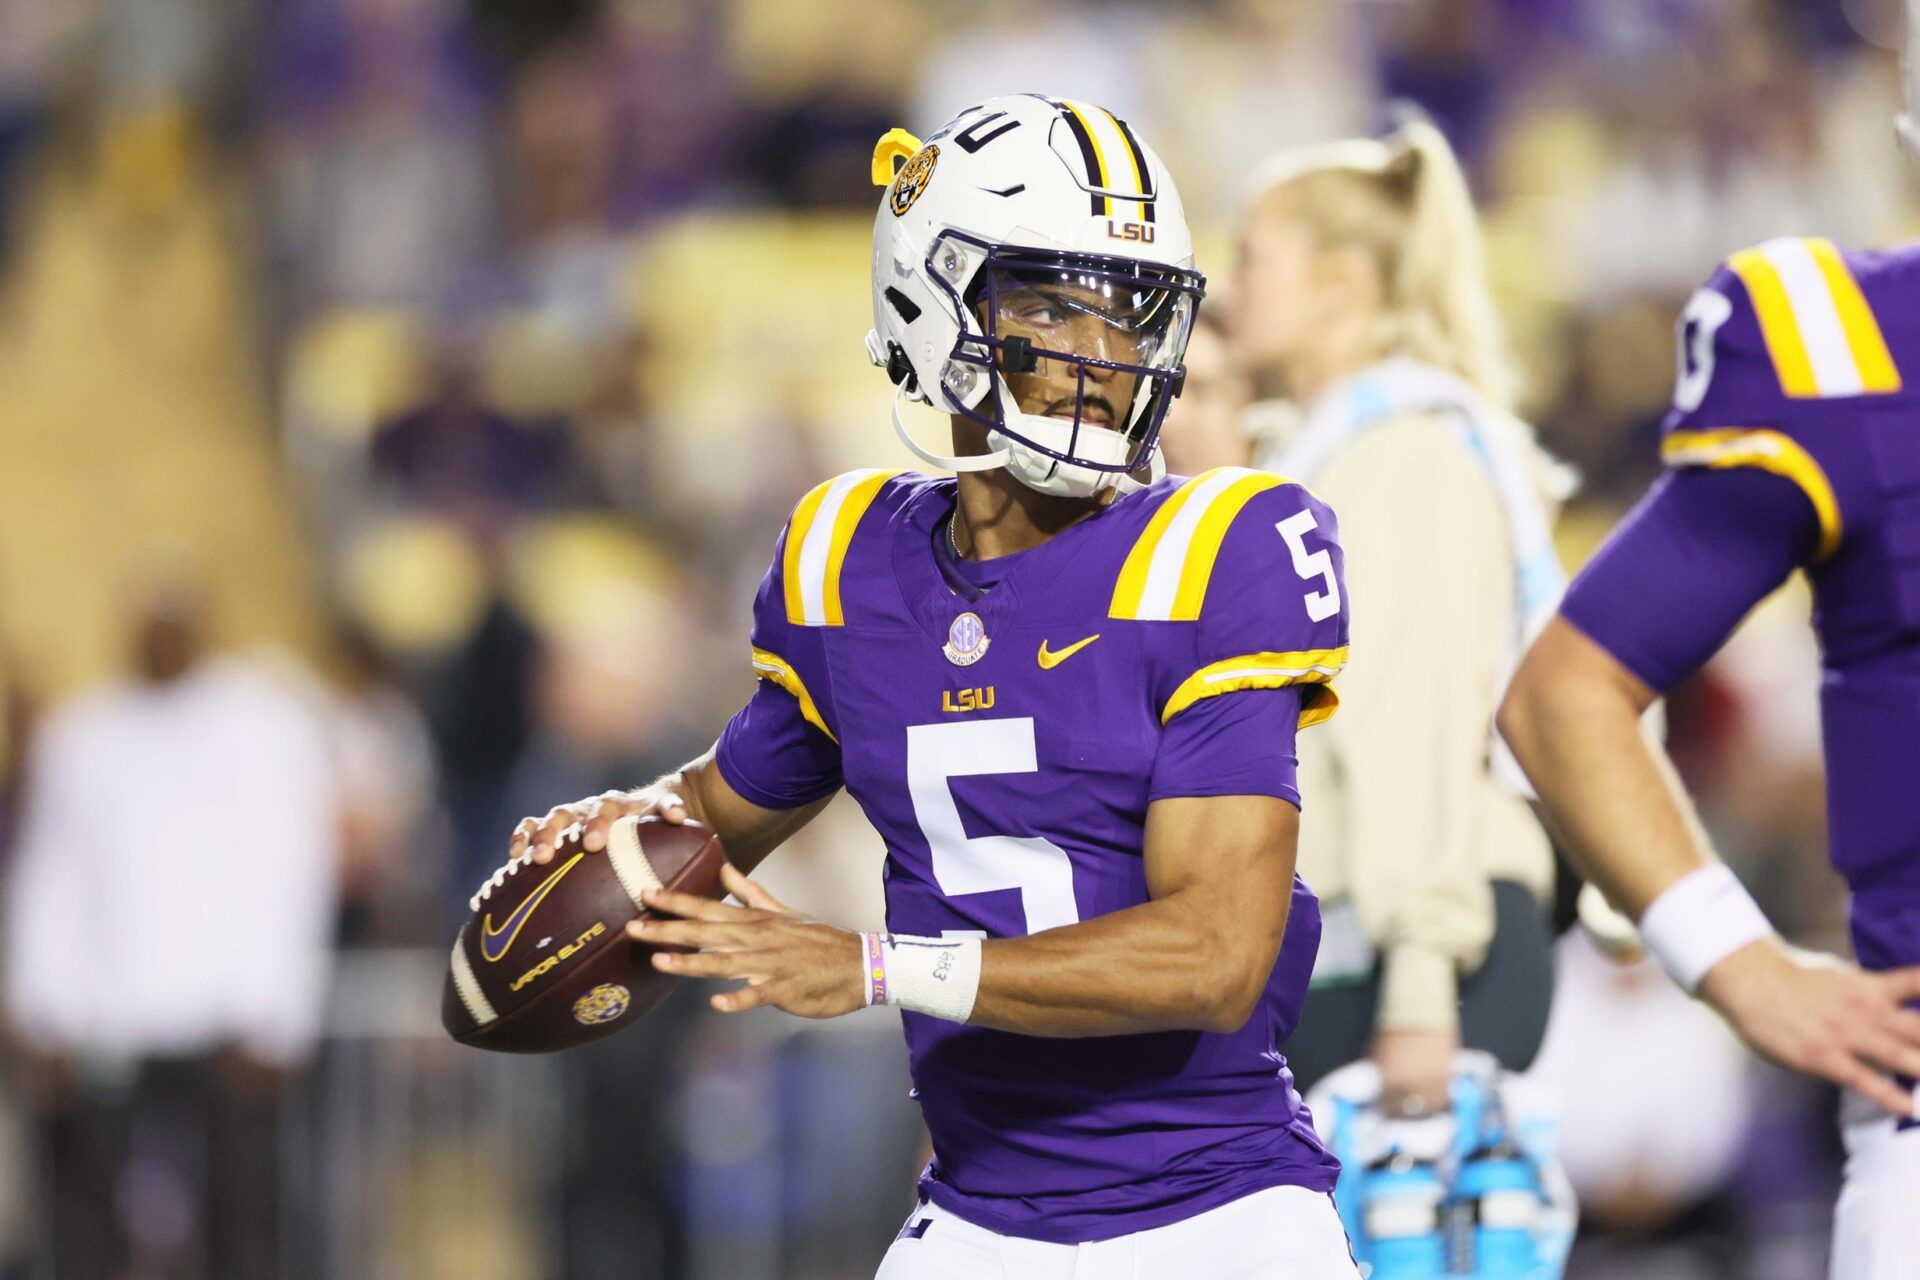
x,y
1096,444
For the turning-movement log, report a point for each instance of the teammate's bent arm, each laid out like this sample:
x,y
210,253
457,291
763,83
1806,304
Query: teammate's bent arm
x,y
1196,957
1572,719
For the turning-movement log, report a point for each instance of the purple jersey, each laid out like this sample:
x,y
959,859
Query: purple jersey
x,y
1006,744
1797,441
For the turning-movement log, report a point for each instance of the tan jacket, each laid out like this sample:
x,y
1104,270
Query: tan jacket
x,y
1402,818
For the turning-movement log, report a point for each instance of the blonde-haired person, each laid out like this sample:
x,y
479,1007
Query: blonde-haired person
x,y
1362,313
1204,427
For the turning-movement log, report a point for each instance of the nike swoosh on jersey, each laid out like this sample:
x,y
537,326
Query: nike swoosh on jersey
x,y
1050,660
510,927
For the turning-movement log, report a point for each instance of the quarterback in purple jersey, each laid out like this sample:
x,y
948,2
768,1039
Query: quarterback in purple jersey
x,y
1064,689
1793,444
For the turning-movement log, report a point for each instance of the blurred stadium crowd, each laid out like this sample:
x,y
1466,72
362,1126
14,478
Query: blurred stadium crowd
x,y
449,366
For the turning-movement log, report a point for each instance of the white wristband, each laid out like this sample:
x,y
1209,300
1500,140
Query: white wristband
x,y
933,976
1698,921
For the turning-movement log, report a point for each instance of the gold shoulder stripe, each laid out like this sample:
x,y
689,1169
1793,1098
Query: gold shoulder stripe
x,y
1819,330
818,536
1864,339
774,668
1765,451
1266,671
1165,576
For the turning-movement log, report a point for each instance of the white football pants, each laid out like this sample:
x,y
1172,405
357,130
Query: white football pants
x,y
1876,1225
1284,1233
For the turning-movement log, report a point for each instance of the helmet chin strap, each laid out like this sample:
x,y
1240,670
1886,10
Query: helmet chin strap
x,y
974,462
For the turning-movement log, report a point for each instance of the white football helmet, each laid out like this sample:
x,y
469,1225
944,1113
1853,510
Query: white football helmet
x,y
1034,229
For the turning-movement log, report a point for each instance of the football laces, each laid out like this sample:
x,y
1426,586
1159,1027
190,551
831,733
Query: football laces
x,y
512,868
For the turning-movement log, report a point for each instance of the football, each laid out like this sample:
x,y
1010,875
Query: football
x,y
544,962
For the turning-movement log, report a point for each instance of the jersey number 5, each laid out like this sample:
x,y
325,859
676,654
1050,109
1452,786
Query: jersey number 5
x,y
962,864
1321,605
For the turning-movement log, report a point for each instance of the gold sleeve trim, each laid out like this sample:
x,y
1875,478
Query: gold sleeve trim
x,y
1267,671
772,667
1766,451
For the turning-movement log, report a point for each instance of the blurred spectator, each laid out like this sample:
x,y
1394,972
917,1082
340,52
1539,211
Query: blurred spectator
x,y
479,705
1203,426
380,173
1657,1109
392,870
166,931
36,35
604,717
459,456
1362,301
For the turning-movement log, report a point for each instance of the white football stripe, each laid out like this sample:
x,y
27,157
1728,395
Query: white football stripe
x,y
630,864
478,1007
1835,371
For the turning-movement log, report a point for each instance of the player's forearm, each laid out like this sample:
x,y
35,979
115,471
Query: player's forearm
x,y
1572,719
749,831
1187,962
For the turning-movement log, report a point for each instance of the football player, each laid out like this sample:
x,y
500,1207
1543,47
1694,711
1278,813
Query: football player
x,y
1793,444
1065,692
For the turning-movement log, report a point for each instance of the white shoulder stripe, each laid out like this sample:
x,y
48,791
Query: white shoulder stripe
x,y
1170,557
1835,371
818,546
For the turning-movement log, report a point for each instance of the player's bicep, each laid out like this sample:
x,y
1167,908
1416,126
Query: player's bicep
x,y
1687,564
1233,853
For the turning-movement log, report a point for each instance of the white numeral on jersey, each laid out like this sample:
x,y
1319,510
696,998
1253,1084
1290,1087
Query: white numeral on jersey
x,y
962,864
1318,564
1699,323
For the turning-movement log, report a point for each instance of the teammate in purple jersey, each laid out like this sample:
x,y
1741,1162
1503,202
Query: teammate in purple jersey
x,y
1793,444
1065,692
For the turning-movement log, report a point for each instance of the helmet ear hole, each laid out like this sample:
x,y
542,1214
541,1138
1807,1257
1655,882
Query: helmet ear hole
x,y
1017,355
903,306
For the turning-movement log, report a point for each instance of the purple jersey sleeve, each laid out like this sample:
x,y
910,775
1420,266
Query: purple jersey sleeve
x,y
771,756
1699,551
1275,611
780,751
1241,746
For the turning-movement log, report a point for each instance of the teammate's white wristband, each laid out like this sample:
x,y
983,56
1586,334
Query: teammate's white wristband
x,y
934,976
1698,921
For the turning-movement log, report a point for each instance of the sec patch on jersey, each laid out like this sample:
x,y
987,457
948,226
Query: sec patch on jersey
x,y
544,962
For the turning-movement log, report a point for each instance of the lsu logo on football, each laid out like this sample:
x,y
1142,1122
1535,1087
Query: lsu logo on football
x,y
966,699
1139,232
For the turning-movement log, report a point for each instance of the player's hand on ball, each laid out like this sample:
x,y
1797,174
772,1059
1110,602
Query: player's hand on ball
x,y
1822,1016
788,961
596,814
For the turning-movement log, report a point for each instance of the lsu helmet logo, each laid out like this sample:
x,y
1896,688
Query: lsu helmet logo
x,y
602,1004
913,178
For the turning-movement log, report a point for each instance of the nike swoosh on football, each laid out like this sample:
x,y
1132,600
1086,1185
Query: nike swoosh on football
x,y
1048,661
510,927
